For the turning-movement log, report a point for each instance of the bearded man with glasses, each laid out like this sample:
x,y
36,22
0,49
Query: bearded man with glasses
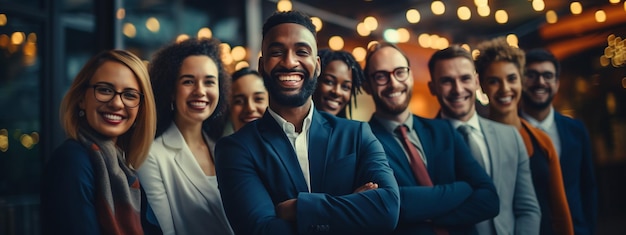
x,y
569,137
443,190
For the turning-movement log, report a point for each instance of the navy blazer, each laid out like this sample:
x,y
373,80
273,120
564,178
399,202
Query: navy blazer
x,y
257,168
578,176
463,194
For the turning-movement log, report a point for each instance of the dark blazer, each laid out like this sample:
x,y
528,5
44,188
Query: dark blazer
x,y
463,194
578,176
257,169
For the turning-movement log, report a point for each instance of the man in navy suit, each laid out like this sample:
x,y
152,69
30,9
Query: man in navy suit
x,y
462,194
569,136
296,170
501,149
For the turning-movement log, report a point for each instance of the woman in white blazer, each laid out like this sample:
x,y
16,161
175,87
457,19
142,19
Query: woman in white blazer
x,y
179,174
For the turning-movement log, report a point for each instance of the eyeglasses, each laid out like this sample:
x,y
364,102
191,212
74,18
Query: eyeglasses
x,y
105,94
383,77
534,75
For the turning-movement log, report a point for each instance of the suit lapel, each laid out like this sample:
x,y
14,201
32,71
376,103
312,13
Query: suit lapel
x,y
564,135
493,146
320,132
393,149
426,140
185,160
275,137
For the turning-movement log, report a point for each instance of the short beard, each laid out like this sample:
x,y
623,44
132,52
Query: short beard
x,y
297,100
529,103
395,110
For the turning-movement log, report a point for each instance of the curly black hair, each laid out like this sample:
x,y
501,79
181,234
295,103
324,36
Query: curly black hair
x,y
164,70
327,56
496,50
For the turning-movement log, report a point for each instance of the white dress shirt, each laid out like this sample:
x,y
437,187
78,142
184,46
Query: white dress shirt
x,y
299,141
548,126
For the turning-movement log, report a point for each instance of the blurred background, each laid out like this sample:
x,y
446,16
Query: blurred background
x,y
44,43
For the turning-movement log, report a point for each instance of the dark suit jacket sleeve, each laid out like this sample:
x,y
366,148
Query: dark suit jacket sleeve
x,y
483,203
525,205
370,212
589,190
421,203
247,203
68,192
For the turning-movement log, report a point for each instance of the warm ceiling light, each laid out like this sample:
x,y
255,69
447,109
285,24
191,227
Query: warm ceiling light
x,y
538,5
17,38
501,17
317,22
362,29
480,3
3,19
551,17
391,35
512,40
464,13
283,5
32,37
335,43
483,11
576,8
441,43
359,53
604,61
466,47
153,24
475,53
413,16
371,43
120,14
433,40
424,40
438,7
129,30
205,33
227,59
600,16
370,23
403,35
241,65
614,1
182,38
238,53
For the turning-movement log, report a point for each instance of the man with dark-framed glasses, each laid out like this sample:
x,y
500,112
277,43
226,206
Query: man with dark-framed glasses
x,y
443,190
569,137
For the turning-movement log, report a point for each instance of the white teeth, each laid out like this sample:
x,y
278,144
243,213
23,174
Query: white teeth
x,y
395,94
505,99
332,104
198,104
289,78
539,91
112,117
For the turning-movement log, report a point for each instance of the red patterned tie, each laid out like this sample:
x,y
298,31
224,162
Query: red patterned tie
x,y
418,167
417,164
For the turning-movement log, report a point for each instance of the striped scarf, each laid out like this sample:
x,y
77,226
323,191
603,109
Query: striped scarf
x,y
118,195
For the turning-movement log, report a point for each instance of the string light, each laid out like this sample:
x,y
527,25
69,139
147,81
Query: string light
x,y
362,30
335,43
317,22
129,30
413,16
600,16
205,33
501,17
370,23
538,5
438,7
551,17
464,13
359,53
483,11
284,5
576,8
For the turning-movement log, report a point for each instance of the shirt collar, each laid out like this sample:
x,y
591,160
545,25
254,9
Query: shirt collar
x,y
472,122
546,124
391,126
289,127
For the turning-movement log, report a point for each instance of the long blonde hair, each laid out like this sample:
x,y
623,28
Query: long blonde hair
x,y
137,140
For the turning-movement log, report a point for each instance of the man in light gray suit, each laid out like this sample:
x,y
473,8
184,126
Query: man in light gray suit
x,y
497,147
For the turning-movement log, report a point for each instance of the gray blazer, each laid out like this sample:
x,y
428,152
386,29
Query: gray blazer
x,y
510,172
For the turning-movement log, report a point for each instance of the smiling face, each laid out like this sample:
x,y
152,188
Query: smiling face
x,y
112,118
289,64
197,90
334,87
392,98
454,82
541,84
502,83
249,100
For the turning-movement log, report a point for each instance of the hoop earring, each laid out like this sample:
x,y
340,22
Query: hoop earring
x,y
81,113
